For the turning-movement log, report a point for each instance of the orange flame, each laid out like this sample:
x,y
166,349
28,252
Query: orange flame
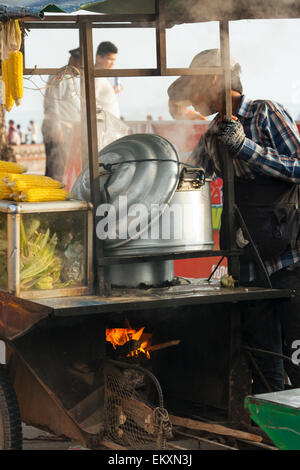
x,y
120,336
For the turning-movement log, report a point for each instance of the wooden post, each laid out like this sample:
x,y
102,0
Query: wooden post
x,y
86,45
228,170
239,375
161,54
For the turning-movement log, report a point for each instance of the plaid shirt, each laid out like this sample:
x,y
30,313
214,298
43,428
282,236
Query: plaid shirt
x,y
271,148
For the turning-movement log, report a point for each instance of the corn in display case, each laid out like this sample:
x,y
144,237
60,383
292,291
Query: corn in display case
x,y
46,248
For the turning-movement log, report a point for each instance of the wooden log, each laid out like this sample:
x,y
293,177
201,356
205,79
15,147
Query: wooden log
x,y
159,346
131,408
206,441
140,413
213,428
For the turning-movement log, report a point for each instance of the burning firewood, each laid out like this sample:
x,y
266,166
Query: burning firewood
x,y
167,344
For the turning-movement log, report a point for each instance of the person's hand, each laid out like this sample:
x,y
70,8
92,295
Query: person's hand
x,y
230,134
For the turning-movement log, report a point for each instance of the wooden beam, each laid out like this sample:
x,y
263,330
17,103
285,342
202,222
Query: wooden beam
x,y
40,71
161,53
206,441
96,18
213,428
125,72
70,25
228,170
132,72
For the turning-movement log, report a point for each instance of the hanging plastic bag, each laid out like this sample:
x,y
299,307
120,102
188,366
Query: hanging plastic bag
x,y
109,128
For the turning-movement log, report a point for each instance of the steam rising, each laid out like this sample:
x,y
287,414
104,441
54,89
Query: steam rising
x,y
207,10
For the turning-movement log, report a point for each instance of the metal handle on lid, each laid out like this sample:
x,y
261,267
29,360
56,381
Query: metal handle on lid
x,y
194,177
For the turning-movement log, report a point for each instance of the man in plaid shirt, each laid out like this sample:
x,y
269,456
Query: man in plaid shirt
x,y
264,143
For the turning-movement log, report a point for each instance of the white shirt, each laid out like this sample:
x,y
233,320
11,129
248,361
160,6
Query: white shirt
x,y
33,130
106,96
61,102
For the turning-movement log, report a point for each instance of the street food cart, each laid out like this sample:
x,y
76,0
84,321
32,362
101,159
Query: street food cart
x,y
57,369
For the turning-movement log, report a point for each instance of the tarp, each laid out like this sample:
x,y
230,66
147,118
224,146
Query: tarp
x,y
19,9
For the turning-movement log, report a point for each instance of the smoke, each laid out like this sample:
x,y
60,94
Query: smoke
x,y
207,10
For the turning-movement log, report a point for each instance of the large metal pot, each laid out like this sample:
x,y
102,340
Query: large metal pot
x,y
146,171
185,225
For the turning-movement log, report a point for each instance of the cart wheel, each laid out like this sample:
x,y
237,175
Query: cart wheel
x,y
10,419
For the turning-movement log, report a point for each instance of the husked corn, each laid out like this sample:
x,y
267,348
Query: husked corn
x,y
15,75
5,177
21,182
8,100
43,194
5,191
11,167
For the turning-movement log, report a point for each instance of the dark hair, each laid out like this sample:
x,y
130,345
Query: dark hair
x,y
105,48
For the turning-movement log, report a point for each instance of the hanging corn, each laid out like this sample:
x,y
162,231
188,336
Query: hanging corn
x,y
8,100
15,76
12,63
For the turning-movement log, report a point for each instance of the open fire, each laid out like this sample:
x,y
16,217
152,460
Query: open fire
x,y
120,336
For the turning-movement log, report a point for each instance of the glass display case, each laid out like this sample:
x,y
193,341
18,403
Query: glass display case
x,y
46,248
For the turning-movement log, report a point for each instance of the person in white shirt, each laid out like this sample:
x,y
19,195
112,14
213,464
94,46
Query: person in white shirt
x,y
32,128
105,94
62,114
21,134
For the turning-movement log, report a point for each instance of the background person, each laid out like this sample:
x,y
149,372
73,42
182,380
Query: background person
x,y
13,136
62,115
21,134
33,130
105,95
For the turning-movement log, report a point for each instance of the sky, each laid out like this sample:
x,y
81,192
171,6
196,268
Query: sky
x,y
266,49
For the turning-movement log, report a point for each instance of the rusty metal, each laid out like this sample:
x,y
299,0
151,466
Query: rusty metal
x,y
17,316
57,373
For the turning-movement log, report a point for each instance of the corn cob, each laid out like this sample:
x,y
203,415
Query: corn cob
x,y
21,182
43,194
8,101
5,177
11,167
5,191
15,76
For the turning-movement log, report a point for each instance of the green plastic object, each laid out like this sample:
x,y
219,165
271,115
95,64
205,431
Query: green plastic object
x,y
278,415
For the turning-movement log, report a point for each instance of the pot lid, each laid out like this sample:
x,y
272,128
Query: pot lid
x,y
143,176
